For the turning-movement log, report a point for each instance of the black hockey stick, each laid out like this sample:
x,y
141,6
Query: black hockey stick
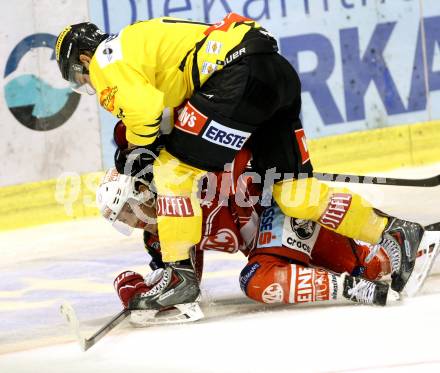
x,y
379,180
433,227
69,313
191,313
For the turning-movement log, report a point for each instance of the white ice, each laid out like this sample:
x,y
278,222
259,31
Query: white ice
x,y
77,261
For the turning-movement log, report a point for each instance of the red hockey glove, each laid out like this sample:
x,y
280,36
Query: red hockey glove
x,y
128,284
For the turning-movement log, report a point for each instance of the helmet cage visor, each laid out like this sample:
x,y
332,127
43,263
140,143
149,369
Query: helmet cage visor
x,y
79,79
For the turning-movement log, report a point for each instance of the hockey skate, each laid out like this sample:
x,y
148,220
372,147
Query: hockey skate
x,y
173,297
425,258
401,240
359,290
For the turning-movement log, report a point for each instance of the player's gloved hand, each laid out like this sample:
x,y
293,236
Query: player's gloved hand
x,y
119,135
134,162
138,161
128,284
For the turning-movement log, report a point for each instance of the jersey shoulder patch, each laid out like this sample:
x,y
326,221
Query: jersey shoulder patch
x,y
109,51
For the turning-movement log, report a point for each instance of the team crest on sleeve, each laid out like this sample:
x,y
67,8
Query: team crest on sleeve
x,y
107,98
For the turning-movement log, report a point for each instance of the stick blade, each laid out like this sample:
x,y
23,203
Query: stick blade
x,y
69,314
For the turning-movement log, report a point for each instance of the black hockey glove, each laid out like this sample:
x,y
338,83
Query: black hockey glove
x,y
139,161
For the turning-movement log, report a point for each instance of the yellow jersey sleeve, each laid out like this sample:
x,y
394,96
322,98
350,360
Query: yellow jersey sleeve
x,y
127,94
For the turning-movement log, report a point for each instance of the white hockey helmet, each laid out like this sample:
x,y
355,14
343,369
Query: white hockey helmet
x,y
119,200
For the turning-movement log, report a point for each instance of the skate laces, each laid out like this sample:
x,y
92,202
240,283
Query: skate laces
x,y
373,251
153,277
362,291
162,284
393,250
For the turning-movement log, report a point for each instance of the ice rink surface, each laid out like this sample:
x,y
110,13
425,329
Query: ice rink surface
x,y
77,261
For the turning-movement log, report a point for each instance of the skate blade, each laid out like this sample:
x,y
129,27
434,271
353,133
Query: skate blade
x,y
393,296
426,255
180,313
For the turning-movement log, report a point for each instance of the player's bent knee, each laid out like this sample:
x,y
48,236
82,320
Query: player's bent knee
x,y
264,282
303,199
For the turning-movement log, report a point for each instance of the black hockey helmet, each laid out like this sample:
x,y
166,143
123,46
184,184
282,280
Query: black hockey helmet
x,y
73,41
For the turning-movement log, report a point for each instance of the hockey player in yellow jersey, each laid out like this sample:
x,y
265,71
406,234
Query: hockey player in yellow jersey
x,y
236,89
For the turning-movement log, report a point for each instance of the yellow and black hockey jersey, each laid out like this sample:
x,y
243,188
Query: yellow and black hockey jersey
x,y
155,64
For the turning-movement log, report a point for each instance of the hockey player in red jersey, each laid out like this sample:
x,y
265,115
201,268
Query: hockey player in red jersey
x,y
290,260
